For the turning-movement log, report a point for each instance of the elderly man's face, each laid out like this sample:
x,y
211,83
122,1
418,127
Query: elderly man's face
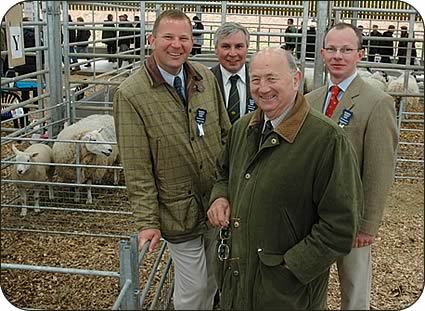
x,y
274,85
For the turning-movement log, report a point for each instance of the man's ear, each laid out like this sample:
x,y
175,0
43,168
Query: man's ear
x,y
298,77
151,39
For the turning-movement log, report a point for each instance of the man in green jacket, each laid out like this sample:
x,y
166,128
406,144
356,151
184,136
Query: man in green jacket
x,y
171,125
288,201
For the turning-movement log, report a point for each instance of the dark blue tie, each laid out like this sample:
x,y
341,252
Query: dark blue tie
x,y
178,85
267,130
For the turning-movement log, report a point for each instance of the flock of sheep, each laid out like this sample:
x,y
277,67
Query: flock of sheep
x,y
95,133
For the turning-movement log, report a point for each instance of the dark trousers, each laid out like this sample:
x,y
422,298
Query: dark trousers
x,y
111,48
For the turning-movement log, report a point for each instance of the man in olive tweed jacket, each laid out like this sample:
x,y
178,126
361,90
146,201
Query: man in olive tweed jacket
x,y
168,146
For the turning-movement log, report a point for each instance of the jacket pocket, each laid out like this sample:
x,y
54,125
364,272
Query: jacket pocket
x,y
178,209
276,286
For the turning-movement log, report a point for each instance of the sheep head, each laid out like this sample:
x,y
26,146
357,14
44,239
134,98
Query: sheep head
x,y
21,156
99,149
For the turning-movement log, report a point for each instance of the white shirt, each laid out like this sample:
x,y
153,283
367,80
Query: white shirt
x,y
241,85
169,78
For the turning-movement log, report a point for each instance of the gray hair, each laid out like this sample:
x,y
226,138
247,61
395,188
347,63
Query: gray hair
x,y
292,64
228,29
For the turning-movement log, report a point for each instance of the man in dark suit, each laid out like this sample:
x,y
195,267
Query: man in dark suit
x,y
402,50
124,40
367,116
111,46
387,47
231,42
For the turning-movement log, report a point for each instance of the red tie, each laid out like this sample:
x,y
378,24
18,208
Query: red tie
x,y
333,102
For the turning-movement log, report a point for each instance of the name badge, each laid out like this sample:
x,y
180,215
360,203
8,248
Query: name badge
x,y
200,117
345,117
251,106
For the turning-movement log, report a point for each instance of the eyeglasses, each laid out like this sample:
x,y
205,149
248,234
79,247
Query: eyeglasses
x,y
223,250
345,51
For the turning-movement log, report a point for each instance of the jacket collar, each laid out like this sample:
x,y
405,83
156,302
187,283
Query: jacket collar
x,y
347,101
193,82
289,128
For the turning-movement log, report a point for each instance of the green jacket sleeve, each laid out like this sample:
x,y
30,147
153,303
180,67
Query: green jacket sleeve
x,y
338,197
135,156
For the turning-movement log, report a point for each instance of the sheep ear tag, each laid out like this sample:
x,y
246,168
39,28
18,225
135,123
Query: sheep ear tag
x,y
88,137
345,118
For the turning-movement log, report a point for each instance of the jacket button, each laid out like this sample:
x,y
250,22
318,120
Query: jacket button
x,y
247,176
274,141
236,224
236,273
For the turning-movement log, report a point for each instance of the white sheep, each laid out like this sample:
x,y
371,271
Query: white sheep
x,y
94,128
397,86
376,81
364,72
34,153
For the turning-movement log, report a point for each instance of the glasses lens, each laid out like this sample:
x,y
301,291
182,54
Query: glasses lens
x,y
225,234
223,251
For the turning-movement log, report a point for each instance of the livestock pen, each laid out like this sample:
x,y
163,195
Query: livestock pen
x,y
74,255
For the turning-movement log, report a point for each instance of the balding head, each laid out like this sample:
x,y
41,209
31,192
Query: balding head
x,y
275,79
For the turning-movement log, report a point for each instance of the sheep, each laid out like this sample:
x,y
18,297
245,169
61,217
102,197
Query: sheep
x,y
377,80
34,153
397,86
94,128
364,72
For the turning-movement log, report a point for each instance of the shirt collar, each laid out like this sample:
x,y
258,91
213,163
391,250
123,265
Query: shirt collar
x,y
344,84
169,78
276,121
227,74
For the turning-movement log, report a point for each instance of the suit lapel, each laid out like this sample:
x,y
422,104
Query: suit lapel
x,y
248,90
217,72
347,101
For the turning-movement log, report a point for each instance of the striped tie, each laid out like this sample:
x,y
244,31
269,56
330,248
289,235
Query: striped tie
x,y
233,103
178,85
333,101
